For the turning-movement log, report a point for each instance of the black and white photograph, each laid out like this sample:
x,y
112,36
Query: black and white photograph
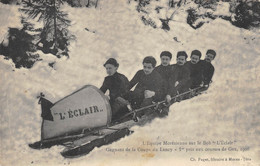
x,y
130,82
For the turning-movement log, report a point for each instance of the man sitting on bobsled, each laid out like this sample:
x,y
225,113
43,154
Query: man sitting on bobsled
x,y
149,85
118,86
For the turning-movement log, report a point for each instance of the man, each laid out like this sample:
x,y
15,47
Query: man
x,y
149,84
164,68
179,77
117,84
207,67
195,69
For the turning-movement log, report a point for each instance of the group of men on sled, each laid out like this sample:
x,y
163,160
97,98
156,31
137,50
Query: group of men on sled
x,y
155,83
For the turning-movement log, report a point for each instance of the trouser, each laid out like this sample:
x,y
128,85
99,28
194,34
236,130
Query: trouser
x,y
135,98
195,83
118,105
146,102
164,111
180,90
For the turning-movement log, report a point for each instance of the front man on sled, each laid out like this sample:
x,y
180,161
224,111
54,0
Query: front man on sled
x,y
118,86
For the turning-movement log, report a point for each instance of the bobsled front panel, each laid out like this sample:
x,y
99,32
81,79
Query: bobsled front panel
x,y
84,109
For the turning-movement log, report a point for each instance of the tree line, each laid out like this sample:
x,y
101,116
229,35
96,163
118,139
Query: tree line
x,y
21,45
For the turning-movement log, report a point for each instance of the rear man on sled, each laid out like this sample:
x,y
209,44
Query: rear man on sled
x,y
207,67
118,86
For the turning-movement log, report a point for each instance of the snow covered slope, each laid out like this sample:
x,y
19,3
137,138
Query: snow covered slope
x,y
229,111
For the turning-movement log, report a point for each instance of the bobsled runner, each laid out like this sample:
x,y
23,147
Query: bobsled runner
x,y
82,120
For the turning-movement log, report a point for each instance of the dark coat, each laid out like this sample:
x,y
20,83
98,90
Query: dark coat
x,y
117,84
195,74
181,74
208,71
165,72
144,82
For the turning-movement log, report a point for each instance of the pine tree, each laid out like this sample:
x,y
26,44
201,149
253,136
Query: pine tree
x,y
55,21
19,45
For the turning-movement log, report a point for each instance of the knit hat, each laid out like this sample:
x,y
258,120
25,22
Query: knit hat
x,y
111,61
196,52
212,52
182,53
166,53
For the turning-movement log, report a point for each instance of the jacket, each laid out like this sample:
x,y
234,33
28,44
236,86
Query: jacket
x,y
117,84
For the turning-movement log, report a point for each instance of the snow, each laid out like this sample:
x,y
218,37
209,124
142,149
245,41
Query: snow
x,y
222,9
228,111
10,17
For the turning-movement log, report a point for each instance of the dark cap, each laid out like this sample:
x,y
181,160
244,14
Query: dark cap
x,y
166,53
212,52
111,61
196,52
182,53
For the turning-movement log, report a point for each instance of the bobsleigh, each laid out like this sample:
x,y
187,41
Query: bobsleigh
x,y
82,121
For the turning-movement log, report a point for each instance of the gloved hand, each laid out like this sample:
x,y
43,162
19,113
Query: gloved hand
x,y
201,84
168,98
148,94
122,101
176,83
